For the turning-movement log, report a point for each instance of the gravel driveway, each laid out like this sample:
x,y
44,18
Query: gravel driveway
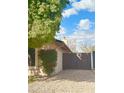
x,y
67,81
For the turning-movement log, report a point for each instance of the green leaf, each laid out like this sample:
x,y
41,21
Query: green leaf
x,y
44,17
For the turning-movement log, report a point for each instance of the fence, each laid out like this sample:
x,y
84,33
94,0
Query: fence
x,y
79,61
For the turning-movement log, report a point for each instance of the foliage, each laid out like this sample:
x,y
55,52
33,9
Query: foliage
x,y
31,79
87,48
44,17
49,58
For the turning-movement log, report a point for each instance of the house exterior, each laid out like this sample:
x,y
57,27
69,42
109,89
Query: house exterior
x,y
60,48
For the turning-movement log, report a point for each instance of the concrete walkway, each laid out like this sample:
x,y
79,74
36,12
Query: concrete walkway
x,y
67,81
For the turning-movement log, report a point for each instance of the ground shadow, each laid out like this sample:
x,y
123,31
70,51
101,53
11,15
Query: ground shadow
x,y
75,75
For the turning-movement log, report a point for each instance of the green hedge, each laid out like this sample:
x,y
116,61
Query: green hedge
x,y
49,58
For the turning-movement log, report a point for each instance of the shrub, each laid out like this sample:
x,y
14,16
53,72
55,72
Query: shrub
x,y
31,79
49,58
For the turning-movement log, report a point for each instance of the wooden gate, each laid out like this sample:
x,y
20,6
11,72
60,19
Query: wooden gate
x,y
77,61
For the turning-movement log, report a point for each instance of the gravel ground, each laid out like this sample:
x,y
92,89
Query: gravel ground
x,y
67,81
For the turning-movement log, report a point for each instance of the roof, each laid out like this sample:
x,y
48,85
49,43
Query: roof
x,y
62,45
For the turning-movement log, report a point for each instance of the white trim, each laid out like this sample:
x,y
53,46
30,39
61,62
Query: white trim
x,y
92,61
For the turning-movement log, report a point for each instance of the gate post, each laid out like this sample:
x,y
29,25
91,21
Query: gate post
x,y
91,60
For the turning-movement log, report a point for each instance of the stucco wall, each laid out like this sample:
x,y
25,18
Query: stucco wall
x,y
58,67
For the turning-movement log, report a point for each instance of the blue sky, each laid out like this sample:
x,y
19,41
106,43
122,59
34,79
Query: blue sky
x,y
79,21
71,22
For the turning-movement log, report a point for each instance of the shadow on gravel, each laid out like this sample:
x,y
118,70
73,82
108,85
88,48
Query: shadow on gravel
x,y
75,75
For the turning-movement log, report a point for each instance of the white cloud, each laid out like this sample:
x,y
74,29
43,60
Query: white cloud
x,y
82,32
68,12
62,30
84,24
72,1
83,35
61,33
83,38
77,6
85,4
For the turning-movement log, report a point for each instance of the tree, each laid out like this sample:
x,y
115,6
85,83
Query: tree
x,y
44,17
87,48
